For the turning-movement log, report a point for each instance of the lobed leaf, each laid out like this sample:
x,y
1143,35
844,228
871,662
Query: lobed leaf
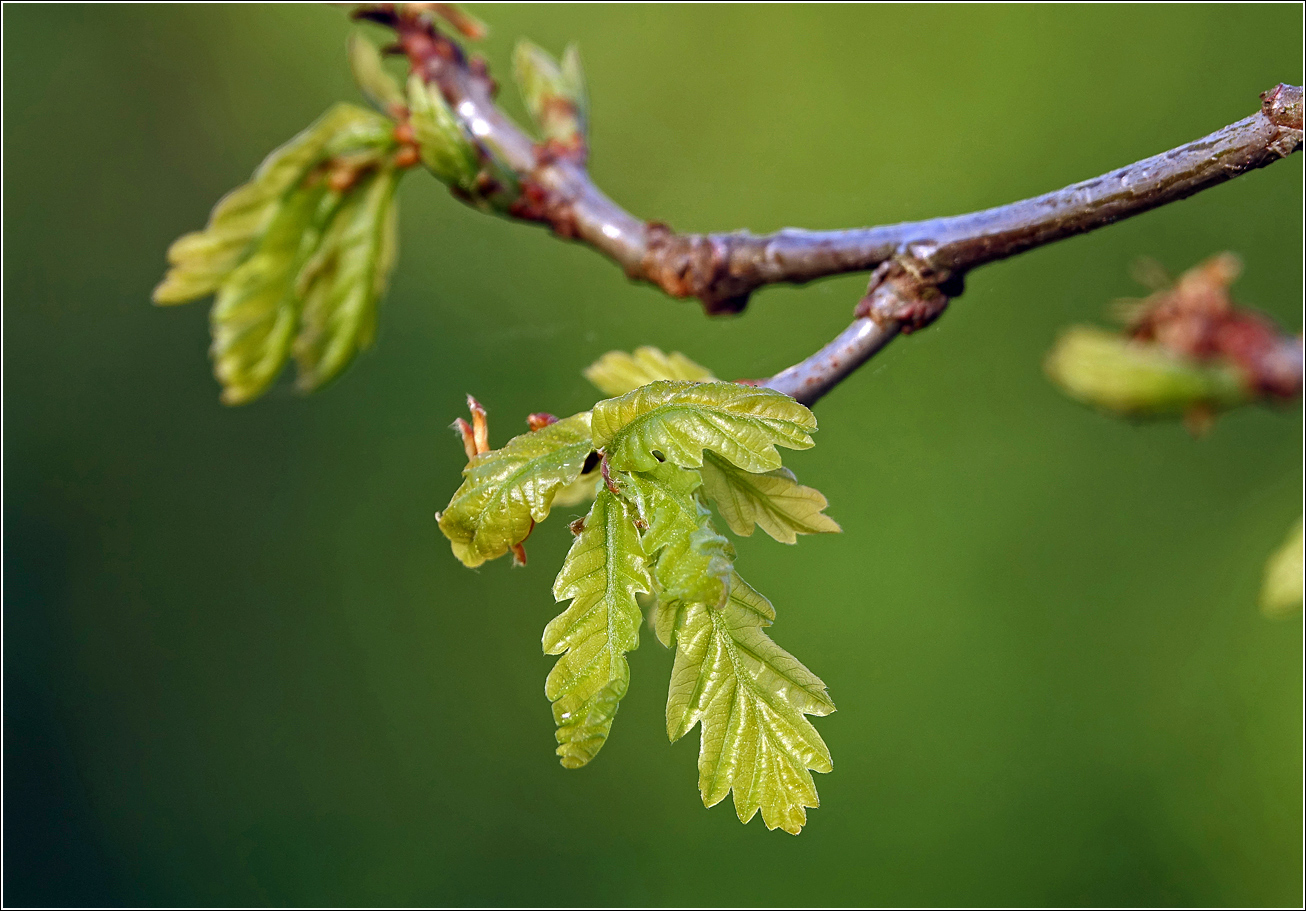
x,y
694,563
617,372
506,491
773,500
679,420
604,570
751,698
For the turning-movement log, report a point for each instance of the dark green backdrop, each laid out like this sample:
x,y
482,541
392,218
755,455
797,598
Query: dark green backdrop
x,y
242,667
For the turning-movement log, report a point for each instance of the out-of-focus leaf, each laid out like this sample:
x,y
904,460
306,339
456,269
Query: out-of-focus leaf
x,y
341,284
1281,592
306,244
751,697
1115,374
375,81
555,96
678,420
463,22
617,372
604,570
694,563
445,149
506,491
201,261
774,500
256,312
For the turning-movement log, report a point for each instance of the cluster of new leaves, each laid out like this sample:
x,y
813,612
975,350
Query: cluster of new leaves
x,y
671,441
1189,350
299,256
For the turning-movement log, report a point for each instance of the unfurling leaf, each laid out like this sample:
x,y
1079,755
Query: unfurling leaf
x,y
617,372
199,262
1281,592
773,500
555,96
506,491
1123,376
304,248
446,150
604,570
375,81
694,563
256,312
649,542
341,285
751,697
678,420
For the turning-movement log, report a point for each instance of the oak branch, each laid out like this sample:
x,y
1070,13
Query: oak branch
x,y
917,267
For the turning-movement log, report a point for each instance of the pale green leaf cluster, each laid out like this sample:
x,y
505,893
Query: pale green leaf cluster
x,y
669,449
1123,376
554,94
297,262
1281,592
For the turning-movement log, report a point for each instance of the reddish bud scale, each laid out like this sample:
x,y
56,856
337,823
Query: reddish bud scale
x,y
480,425
1197,318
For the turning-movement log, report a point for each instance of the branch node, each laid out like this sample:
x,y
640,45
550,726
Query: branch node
x,y
899,295
695,265
1283,105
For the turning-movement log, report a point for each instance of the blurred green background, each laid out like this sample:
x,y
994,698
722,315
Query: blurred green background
x,y
242,667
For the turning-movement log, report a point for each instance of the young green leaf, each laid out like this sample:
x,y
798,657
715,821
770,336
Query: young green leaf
x,y
751,697
617,372
201,261
375,81
1122,376
256,312
774,500
679,420
694,563
445,149
348,274
604,570
554,96
1281,592
506,491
